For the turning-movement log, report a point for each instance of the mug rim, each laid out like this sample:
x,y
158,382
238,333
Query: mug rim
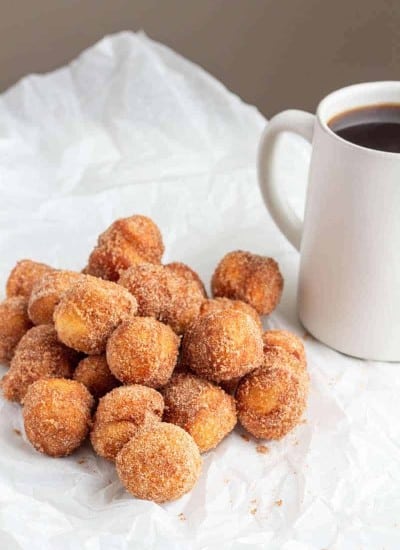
x,y
358,87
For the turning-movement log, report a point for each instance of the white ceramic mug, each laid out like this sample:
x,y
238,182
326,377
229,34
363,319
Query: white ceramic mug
x,y
349,282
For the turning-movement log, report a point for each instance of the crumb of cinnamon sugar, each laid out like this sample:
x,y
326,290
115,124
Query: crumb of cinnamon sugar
x,y
254,501
226,481
253,511
304,421
306,335
17,432
181,516
245,437
262,449
82,461
279,502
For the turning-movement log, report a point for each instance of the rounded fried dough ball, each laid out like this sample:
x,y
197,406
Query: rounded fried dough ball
x,y
160,463
249,277
271,400
148,283
219,304
23,276
223,345
14,323
143,351
57,415
38,355
201,408
126,242
102,263
184,307
283,339
47,292
119,415
275,357
94,373
187,273
164,294
89,312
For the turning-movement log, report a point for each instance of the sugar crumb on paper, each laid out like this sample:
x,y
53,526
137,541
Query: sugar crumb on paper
x,y
262,449
17,432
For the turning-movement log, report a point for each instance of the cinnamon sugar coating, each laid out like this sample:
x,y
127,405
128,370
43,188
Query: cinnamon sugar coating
x,y
283,339
149,284
23,276
143,351
14,323
149,326
47,292
90,311
126,242
187,273
201,408
160,463
249,277
218,304
120,414
223,345
38,355
57,415
94,373
166,295
271,400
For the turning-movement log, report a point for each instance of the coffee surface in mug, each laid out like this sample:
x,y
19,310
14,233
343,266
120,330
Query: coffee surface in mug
x,y
373,126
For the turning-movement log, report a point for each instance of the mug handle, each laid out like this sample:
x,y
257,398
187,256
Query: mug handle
x,y
299,122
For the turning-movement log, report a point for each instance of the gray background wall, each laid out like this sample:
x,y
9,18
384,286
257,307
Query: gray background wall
x,y
273,53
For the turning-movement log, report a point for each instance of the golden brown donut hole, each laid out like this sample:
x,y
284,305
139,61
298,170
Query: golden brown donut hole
x,y
90,311
14,323
143,351
57,415
271,400
187,273
223,345
204,410
47,292
94,373
283,339
219,304
126,242
23,276
164,294
38,355
249,277
120,414
160,463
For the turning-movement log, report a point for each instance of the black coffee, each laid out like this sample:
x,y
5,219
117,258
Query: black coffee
x,y
375,126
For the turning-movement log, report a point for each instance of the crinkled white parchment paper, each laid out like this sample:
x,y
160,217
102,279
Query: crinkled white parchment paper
x,y
131,127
